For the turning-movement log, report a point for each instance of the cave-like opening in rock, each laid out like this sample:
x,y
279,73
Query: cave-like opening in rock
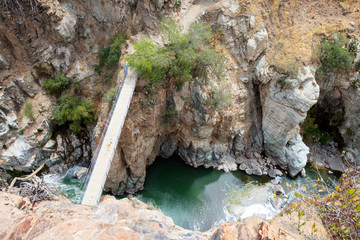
x,y
324,120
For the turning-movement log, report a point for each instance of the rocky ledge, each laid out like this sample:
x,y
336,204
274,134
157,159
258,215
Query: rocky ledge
x,y
127,218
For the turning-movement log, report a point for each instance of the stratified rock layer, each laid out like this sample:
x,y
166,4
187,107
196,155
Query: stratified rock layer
x,y
284,107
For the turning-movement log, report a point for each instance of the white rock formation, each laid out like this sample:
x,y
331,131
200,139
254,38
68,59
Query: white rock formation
x,y
283,110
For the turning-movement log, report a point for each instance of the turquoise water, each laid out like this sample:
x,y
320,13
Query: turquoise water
x,y
71,188
199,198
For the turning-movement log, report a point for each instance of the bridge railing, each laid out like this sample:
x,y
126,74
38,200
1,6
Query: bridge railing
x,y
98,147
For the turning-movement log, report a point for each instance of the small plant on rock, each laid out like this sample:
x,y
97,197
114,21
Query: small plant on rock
x,y
109,57
56,85
28,111
74,111
170,113
334,56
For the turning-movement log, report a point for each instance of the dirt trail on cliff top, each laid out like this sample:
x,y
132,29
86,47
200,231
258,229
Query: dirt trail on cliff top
x,y
195,11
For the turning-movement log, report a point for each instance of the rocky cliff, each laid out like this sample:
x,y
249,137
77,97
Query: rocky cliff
x,y
269,84
270,96
38,40
122,219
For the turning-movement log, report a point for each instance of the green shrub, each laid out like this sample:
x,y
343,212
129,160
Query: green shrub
x,y
74,111
56,85
284,83
150,60
111,95
357,66
352,47
28,111
340,211
184,56
109,57
21,131
334,57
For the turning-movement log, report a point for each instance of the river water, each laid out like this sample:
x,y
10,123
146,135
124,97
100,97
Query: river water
x,y
199,198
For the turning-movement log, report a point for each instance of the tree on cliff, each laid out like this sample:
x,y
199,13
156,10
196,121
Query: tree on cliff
x,y
183,56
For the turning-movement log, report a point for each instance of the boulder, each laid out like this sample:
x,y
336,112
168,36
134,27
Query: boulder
x,y
27,84
53,160
50,146
273,173
227,164
296,156
256,44
77,172
19,155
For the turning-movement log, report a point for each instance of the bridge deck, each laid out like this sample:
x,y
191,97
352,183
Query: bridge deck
x,y
107,149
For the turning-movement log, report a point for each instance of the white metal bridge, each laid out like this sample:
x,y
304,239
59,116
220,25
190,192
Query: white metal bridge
x,y
106,149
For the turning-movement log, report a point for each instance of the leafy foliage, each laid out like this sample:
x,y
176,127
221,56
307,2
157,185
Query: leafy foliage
x,y
357,66
170,113
177,5
334,56
150,60
340,211
56,85
109,57
353,47
184,56
74,111
337,206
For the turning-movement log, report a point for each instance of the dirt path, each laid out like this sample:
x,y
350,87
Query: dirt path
x,y
194,12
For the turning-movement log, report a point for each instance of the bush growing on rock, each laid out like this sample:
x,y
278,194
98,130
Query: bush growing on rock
x,y
334,56
74,111
56,85
109,57
339,210
183,57
28,111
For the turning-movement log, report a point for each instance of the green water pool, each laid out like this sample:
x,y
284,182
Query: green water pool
x,y
199,198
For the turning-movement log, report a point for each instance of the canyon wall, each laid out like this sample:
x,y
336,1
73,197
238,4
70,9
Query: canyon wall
x,y
268,49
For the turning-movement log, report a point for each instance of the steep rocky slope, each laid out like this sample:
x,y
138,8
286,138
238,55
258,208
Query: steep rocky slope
x,y
64,37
